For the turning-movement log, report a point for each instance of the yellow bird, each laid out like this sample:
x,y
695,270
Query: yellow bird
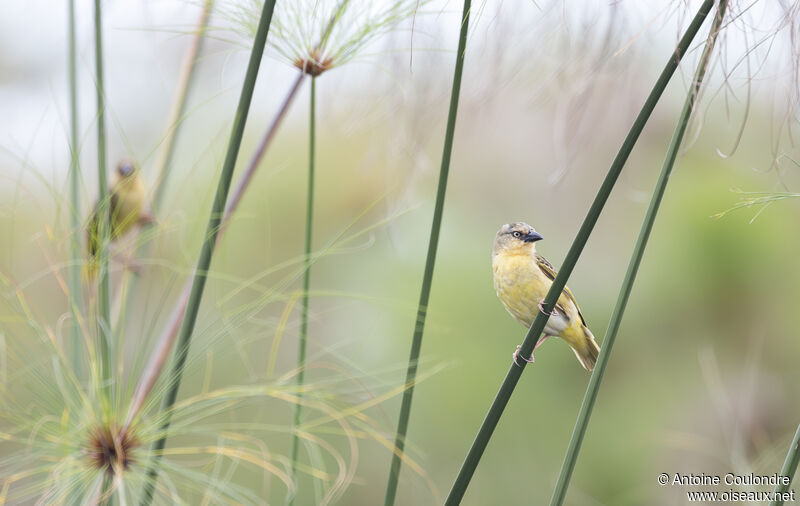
x,y
522,279
126,209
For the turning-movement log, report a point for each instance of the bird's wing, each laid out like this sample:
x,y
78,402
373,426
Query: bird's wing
x,y
93,227
92,242
113,214
548,270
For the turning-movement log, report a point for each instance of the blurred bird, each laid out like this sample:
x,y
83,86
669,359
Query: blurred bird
x,y
126,209
522,279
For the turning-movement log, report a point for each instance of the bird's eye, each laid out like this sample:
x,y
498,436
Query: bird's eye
x,y
517,234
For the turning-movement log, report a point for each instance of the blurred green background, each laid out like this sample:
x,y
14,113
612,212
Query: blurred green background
x,y
704,375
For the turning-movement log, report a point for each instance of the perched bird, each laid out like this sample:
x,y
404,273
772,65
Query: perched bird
x,y
126,209
522,279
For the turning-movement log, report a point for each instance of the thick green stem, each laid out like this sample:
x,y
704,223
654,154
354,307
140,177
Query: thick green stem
x,y
210,237
430,261
103,210
589,399
76,255
788,469
301,355
515,371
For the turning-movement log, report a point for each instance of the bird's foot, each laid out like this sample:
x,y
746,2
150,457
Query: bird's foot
x,y
541,342
146,218
128,263
516,357
134,266
541,309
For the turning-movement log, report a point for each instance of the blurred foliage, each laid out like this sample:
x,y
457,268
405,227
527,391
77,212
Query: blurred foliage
x,y
704,372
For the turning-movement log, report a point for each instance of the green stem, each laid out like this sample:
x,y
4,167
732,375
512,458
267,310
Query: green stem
x,y
788,469
210,237
589,399
515,372
103,209
301,356
433,243
76,255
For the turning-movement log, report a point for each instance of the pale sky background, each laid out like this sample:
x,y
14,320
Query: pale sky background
x,y
144,44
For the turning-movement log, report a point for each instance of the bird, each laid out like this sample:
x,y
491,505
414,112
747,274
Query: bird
x,y
126,209
522,278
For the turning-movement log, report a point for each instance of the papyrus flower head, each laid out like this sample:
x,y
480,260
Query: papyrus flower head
x,y
317,35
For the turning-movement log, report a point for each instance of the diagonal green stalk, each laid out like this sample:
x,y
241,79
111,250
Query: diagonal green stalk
x,y
788,470
301,355
515,371
430,260
75,195
589,399
103,210
174,124
210,238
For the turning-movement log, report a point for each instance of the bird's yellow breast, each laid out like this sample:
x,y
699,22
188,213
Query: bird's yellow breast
x,y
520,285
130,195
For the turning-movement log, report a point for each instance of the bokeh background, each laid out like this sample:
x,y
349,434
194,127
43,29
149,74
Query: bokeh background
x,y
704,375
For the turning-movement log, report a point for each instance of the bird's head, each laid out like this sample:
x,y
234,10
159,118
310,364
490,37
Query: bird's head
x,y
126,169
516,238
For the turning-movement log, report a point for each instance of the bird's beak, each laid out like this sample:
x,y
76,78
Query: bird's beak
x,y
532,236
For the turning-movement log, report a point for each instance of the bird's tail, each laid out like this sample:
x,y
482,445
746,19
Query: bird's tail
x,y
586,350
90,269
92,247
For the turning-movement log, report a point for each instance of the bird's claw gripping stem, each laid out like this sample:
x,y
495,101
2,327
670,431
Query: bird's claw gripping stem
x,y
516,356
541,309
